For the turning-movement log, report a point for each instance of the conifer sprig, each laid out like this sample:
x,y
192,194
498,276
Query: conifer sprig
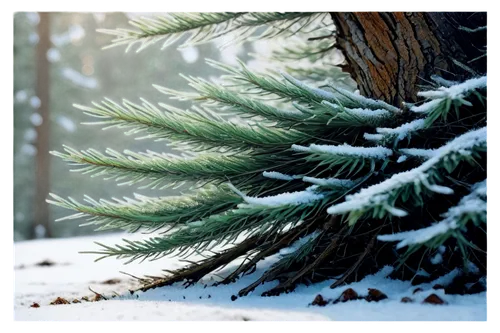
x,y
161,170
380,199
216,230
205,27
149,213
199,131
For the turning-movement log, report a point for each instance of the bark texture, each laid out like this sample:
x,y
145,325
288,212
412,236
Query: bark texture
x,y
390,54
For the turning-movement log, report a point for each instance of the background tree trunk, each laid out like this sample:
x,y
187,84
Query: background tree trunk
x,y
42,161
391,54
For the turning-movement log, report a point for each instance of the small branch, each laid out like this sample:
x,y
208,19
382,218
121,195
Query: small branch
x,y
357,264
282,287
285,240
322,37
195,272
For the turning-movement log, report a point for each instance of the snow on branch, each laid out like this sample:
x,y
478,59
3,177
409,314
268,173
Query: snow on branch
x,y
442,99
386,192
330,182
279,175
294,198
472,207
417,152
403,131
347,150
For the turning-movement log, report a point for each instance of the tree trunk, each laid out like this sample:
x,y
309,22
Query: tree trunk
x,y
43,130
391,54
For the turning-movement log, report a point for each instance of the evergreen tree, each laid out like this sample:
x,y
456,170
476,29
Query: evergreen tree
x,y
307,166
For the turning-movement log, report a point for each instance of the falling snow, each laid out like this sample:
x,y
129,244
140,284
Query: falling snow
x,y
36,119
79,79
53,55
35,102
21,96
66,123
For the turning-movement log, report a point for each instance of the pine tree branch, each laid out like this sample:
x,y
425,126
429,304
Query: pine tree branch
x,y
195,272
471,208
205,27
379,199
443,99
237,103
352,160
194,130
226,227
161,170
150,214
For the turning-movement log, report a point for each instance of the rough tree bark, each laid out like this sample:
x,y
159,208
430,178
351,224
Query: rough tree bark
x,y
391,54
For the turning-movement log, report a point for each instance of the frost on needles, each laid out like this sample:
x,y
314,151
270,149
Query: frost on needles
x,y
307,170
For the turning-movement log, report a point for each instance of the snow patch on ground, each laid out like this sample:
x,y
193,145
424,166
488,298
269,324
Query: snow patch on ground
x,y
74,273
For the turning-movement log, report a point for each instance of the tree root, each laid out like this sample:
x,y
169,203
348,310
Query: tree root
x,y
290,283
195,272
357,264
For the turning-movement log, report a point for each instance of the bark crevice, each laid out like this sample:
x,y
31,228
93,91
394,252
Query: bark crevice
x,y
391,54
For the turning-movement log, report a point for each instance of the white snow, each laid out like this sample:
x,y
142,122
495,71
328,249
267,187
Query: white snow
x,y
299,243
33,38
418,152
471,267
28,149
419,236
21,96
404,130
427,106
33,17
378,194
35,102
287,198
372,137
367,113
66,123
401,159
467,205
36,119
53,55
78,78
319,93
437,259
74,273
456,91
190,54
74,33
364,114
366,102
378,152
278,175
330,182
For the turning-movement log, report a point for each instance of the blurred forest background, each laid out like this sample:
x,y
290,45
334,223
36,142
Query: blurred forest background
x,y
59,61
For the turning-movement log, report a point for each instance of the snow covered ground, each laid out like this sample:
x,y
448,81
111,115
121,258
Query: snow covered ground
x,y
72,274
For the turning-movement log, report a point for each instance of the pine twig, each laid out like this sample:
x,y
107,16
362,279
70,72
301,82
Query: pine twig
x,y
357,264
194,273
288,284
